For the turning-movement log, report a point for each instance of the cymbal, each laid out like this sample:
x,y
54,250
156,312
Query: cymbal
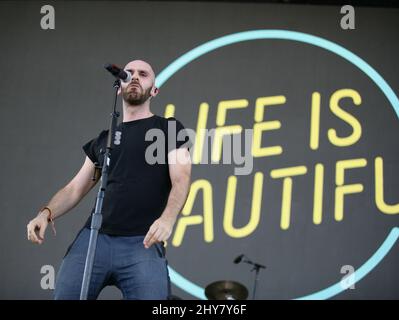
x,y
226,290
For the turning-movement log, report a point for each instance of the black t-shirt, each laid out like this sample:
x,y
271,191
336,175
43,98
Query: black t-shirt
x,y
137,190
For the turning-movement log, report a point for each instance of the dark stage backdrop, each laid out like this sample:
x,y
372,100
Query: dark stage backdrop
x,y
321,200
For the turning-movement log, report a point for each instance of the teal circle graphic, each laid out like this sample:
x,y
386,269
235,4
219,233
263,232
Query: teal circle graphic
x,y
197,52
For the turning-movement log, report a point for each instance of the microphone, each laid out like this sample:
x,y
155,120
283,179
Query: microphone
x,y
118,73
239,258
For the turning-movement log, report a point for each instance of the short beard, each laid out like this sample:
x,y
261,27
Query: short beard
x,y
135,99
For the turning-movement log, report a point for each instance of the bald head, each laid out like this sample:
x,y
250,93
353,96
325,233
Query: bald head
x,y
140,65
142,86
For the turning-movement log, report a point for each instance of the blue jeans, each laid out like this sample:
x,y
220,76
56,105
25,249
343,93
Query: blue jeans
x,y
121,261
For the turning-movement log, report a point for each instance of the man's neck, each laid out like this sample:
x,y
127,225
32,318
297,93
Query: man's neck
x,y
131,113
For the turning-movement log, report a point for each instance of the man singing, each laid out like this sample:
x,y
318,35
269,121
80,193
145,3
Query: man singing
x,y
140,207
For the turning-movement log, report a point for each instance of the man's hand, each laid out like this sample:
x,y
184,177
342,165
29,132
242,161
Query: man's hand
x,y
36,228
159,231
179,171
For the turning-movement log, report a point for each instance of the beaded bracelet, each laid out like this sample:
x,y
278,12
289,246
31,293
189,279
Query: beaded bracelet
x,y
49,217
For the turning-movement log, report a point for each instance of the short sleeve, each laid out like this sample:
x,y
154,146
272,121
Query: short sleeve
x,y
180,138
89,149
92,148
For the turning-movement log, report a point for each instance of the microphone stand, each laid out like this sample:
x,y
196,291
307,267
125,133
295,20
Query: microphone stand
x,y
96,219
256,268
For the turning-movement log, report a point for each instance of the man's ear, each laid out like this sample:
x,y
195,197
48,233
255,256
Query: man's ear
x,y
119,91
155,91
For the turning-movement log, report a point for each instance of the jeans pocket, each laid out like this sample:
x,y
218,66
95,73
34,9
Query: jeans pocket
x,y
73,242
160,249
